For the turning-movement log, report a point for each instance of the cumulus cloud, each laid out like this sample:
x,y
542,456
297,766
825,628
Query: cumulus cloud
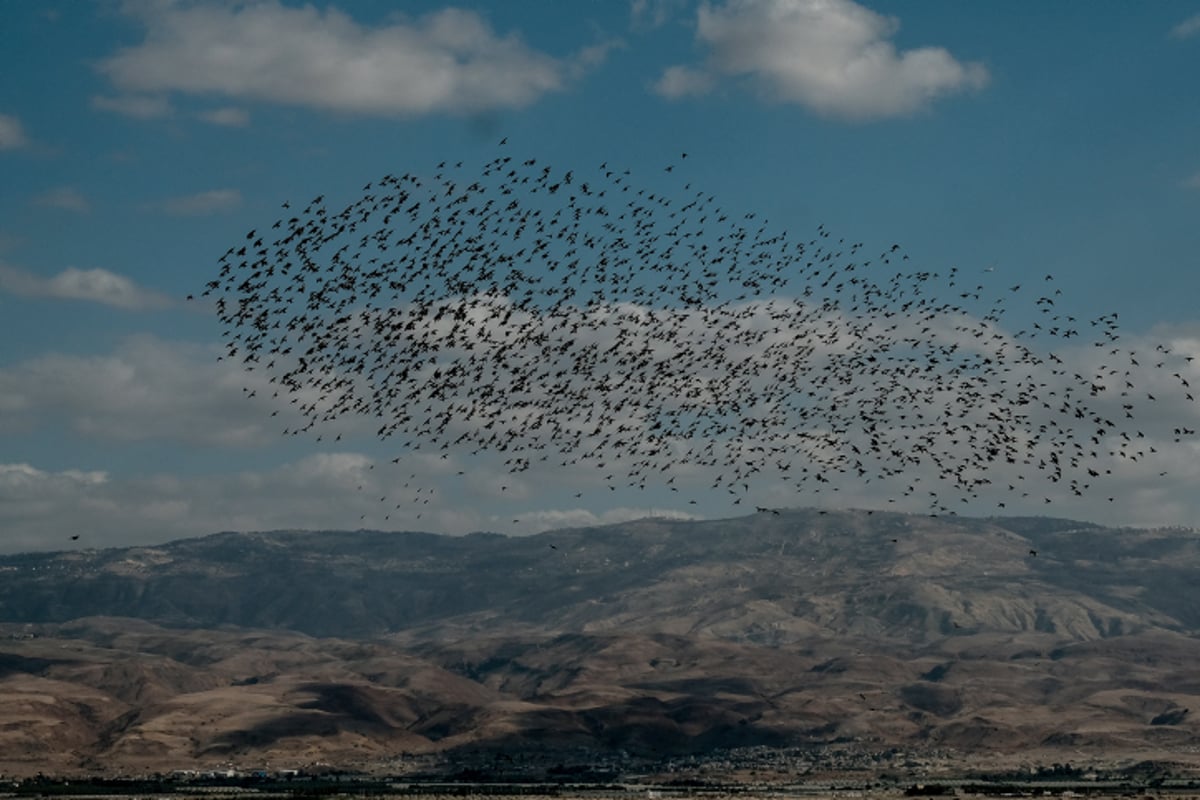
x,y
67,198
214,201
1187,29
834,57
90,285
447,61
12,133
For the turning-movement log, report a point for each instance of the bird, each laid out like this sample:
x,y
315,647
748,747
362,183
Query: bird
x,y
578,316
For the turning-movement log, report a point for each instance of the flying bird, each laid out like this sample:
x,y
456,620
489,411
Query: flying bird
x,y
557,318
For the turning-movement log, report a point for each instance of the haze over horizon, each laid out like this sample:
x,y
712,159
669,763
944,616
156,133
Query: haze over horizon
x,y
140,141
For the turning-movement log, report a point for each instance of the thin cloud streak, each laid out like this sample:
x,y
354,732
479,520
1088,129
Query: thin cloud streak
x,y
41,509
66,198
228,117
88,285
1187,28
134,106
213,201
12,133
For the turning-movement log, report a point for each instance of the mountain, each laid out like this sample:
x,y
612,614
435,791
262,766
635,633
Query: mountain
x,y
657,638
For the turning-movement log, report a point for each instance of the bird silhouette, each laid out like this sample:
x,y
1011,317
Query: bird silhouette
x,y
567,317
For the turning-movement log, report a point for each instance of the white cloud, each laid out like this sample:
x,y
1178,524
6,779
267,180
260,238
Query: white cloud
x,y
650,14
228,117
42,509
1192,182
91,285
448,61
214,201
18,476
556,519
67,198
176,397
680,81
1187,29
146,389
675,413
831,56
12,133
592,56
134,105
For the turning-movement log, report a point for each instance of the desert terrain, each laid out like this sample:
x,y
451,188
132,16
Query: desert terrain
x,y
773,648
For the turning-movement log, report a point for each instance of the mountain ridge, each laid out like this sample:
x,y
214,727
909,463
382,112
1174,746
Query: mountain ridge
x,y
1017,641
910,575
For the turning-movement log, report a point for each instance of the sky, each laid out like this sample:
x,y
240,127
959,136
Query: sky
x,y
139,141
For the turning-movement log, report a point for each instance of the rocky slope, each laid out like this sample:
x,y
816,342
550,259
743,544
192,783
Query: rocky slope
x,y
655,637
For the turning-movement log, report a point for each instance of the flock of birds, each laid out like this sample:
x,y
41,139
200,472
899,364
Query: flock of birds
x,y
561,317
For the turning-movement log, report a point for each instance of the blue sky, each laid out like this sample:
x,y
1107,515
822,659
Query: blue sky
x,y
140,140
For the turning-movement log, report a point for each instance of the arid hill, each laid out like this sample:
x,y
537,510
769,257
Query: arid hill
x,y
1025,639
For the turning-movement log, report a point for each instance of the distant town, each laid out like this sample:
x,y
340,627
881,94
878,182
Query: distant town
x,y
825,771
